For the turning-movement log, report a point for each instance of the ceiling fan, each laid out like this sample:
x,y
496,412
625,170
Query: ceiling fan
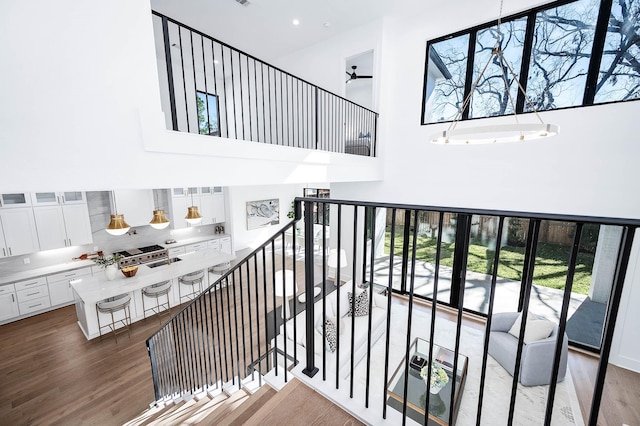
x,y
353,76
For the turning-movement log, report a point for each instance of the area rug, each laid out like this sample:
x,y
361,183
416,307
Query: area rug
x,y
530,401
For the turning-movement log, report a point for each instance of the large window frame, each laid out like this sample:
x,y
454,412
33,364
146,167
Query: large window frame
x,y
593,71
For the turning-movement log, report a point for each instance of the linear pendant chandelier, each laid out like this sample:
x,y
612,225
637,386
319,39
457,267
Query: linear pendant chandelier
x,y
495,133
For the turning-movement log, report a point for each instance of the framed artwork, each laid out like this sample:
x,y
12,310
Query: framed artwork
x,y
263,213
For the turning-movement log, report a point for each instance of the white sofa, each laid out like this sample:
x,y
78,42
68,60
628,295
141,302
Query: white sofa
x,y
378,324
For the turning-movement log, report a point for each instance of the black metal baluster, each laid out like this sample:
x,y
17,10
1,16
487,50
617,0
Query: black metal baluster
x,y
324,289
352,304
371,282
624,253
244,337
265,307
229,306
255,282
492,296
392,245
195,84
275,312
184,81
295,303
168,60
409,317
249,98
222,344
224,90
235,321
338,285
527,280
571,269
241,84
233,97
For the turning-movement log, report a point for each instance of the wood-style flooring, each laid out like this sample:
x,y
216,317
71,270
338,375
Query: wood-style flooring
x,y
50,374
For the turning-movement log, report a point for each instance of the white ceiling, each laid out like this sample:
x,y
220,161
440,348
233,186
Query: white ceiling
x,y
264,28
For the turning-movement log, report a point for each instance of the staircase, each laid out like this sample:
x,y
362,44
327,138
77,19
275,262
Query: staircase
x,y
229,406
294,403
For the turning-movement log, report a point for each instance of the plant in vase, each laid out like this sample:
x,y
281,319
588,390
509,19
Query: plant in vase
x,y
439,377
108,263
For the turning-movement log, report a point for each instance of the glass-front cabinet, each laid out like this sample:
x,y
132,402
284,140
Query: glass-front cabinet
x,y
19,199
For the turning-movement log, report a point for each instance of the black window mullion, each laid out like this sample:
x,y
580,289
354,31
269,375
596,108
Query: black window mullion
x,y
468,81
526,60
597,50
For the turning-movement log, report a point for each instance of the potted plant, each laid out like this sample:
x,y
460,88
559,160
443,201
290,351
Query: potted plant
x,y
108,263
439,377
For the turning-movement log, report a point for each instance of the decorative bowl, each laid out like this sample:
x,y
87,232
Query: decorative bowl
x,y
129,271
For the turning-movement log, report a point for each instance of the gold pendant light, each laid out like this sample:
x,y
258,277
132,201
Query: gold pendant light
x,y
159,220
117,225
193,216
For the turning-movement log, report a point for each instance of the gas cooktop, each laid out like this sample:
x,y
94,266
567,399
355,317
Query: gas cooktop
x,y
141,255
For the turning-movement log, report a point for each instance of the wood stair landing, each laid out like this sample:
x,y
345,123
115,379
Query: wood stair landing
x,y
295,404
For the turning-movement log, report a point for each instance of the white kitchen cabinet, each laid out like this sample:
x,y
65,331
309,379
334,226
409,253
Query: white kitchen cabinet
x,y
137,206
190,248
18,234
32,295
225,245
60,290
180,200
63,225
219,208
176,251
8,302
58,198
20,199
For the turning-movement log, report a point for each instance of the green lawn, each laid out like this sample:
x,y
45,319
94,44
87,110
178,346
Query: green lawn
x,y
550,269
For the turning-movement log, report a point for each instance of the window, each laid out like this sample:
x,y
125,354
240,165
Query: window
x,y
208,114
619,76
563,55
321,211
562,47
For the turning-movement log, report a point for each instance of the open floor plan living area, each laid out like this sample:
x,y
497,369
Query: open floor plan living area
x,y
271,212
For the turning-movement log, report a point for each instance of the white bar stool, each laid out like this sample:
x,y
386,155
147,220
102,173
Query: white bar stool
x,y
112,305
156,291
193,282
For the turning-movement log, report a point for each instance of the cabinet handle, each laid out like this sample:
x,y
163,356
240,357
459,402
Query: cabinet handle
x,y
70,275
70,242
4,253
33,294
13,298
10,254
31,283
35,306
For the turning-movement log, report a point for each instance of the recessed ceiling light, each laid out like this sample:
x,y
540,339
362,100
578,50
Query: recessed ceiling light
x,y
296,22
327,24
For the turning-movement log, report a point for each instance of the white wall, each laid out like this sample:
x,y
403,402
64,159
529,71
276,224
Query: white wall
x,y
589,169
237,198
80,110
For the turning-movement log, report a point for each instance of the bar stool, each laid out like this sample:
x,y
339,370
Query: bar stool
x,y
112,305
193,281
156,291
220,268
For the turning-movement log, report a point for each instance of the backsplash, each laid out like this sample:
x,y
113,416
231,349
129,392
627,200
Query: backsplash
x,y
140,236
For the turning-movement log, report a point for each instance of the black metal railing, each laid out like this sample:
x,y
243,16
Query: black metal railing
x,y
209,87
227,334
415,265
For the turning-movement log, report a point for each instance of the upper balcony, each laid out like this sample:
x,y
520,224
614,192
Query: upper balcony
x,y
210,88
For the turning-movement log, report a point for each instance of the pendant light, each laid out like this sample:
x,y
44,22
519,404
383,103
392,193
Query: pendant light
x,y
159,220
117,225
193,217
489,134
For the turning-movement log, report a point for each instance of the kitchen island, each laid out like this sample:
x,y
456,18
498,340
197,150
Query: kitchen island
x,y
90,291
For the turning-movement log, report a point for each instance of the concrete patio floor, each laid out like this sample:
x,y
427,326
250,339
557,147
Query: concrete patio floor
x,y
585,317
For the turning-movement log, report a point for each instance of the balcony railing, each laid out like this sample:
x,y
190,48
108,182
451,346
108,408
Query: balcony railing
x,y
209,87
415,262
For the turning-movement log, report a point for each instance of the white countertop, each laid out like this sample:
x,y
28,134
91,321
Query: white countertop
x,y
76,264
47,270
97,288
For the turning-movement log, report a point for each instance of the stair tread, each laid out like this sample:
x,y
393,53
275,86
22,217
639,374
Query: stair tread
x,y
217,415
247,409
273,402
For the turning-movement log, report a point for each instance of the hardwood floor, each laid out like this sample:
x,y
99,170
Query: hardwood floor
x,y
50,374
